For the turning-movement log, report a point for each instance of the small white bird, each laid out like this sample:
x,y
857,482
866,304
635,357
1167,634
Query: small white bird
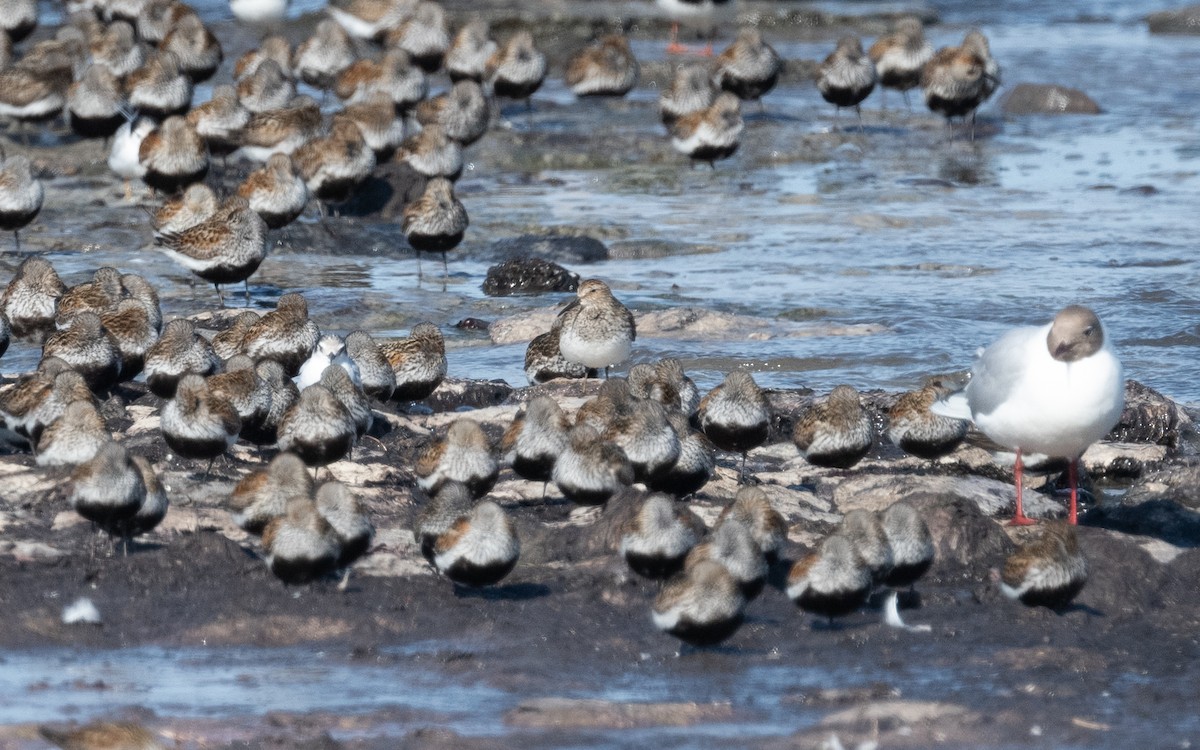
x,y
1052,389
123,157
331,350
258,11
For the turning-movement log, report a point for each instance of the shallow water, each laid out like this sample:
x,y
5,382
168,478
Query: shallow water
x,y
944,242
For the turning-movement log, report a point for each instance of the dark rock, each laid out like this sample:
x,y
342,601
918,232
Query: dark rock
x,y
455,394
472,324
528,276
1047,99
1185,20
1151,417
558,249
961,532
648,249
1122,576
1178,482
392,187
1163,504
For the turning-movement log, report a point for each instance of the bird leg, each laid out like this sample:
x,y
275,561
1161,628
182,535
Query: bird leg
x,y
675,48
1073,478
1019,518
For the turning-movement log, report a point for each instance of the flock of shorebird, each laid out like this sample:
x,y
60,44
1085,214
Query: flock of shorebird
x,y
274,380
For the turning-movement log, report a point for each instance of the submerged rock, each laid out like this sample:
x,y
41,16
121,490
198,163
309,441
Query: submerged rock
x,y
558,249
528,276
1185,20
1047,99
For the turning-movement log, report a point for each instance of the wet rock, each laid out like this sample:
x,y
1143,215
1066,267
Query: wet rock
x,y
1047,99
1185,20
1122,460
528,276
829,697
558,249
1165,504
961,532
457,394
559,713
889,714
646,249
992,497
392,187
1151,417
1178,482
1123,578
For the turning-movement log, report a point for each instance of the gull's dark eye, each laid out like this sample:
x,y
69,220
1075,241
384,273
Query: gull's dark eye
x,y
1089,330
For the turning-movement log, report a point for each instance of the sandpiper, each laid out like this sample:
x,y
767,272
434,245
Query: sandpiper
x,y
376,119
103,735
174,156
350,523
198,423
847,76
132,328
184,211
462,112
126,147
536,438
178,352
1047,571
731,544
694,466
432,153
241,386
956,80
225,249
154,18
479,549
831,581
275,191
21,195
317,428
74,437
263,495
647,437
657,539
334,165
835,432
351,396
28,95
375,372
544,360
31,298
607,68
516,70
469,52
286,334
866,534
976,42
735,415
95,103
436,221
702,606
452,502
463,455
119,492
228,343
597,330
280,131
368,19
691,90
911,543
89,349
710,134
272,47
749,67
40,399
219,120
283,394
301,545
99,295
198,50
118,50
612,400
136,287
394,74
665,382
267,89
900,57
752,508
321,58
418,362
590,470
423,35
1052,389
915,429
159,89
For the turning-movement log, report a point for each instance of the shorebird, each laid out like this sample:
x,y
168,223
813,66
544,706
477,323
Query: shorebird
x,y
89,349
96,103
301,545
590,470
647,437
219,120
691,91
418,362
702,606
119,492
423,35
191,207
174,156
267,89
38,399
334,165
1052,389
735,415
394,74
1047,571
752,508
535,439
835,432
126,146
350,523
865,531
159,88
911,543
321,58
117,49
245,390
197,48
436,221
597,330
606,68
748,68
132,328
915,429
225,249
900,57
329,351
431,153
368,19
480,548
263,495
199,423
317,428
286,334
694,12
375,372
74,437
544,360
376,119
19,19
462,112
731,544
452,502
956,80
21,195
710,134
280,131
283,395
178,352
99,295
469,52
516,70
694,466
831,582
658,537
31,299
847,76
275,191
463,455
344,388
